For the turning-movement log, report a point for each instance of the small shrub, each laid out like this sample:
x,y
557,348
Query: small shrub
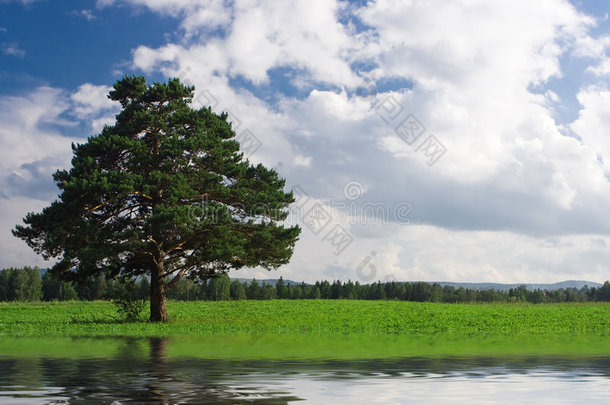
x,y
128,303
129,308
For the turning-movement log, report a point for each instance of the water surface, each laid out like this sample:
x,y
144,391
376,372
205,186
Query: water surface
x,y
144,370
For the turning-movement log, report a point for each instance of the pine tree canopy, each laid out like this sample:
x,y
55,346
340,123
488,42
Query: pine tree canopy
x,y
164,192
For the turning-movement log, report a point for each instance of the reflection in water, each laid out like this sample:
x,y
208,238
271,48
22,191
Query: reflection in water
x,y
141,371
159,372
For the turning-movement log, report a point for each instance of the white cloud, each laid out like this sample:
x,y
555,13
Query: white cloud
x,y
86,14
31,149
587,46
91,104
22,137
593,123
602,69
33,145
429,253
479,72
15,253
90,99
596,49
435,254
13,50
476,74
196,16
304,161
260,36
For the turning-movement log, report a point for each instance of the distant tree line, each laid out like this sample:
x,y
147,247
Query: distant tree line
x,y
27,284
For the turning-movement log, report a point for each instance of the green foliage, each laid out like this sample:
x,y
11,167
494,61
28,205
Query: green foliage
x,y
282,290
128,303
144,288
17,285
5,276
67,292
238,291
129,309
56,289
20,284
603,294
163,192
219,288
253,290
92,288
187,290
140,179
268,292
25,285
34,284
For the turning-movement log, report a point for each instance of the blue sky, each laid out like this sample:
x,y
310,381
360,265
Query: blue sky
x,y
457,141
73,44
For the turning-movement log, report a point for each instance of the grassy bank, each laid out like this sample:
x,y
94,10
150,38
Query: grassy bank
x,y
318,328
319,317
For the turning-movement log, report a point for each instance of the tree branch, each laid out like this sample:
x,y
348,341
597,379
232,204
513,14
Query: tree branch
x,y
179,245
178,276
97,207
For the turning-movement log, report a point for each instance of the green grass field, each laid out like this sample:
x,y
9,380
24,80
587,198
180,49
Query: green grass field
x,y
320,328
318,317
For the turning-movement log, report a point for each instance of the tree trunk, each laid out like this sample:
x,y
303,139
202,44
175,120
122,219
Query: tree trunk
x,y
158,309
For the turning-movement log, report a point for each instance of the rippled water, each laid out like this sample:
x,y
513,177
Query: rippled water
x,y
131,376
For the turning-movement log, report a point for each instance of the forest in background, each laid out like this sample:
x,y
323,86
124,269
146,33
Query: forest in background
x,y
27,284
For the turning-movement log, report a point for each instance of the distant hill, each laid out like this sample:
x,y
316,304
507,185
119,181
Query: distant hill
x,y
272,281
578,284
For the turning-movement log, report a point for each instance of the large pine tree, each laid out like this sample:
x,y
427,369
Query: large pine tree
x,y
165,193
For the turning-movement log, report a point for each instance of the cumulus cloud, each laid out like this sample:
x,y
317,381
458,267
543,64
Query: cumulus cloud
x,y
514,197
37,131
429,253
90,99
35,137
91,104
31,148
196,16
602,69
593,123
26,133
477,77
259,36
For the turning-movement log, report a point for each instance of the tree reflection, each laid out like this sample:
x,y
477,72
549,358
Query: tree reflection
x,y
140,371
